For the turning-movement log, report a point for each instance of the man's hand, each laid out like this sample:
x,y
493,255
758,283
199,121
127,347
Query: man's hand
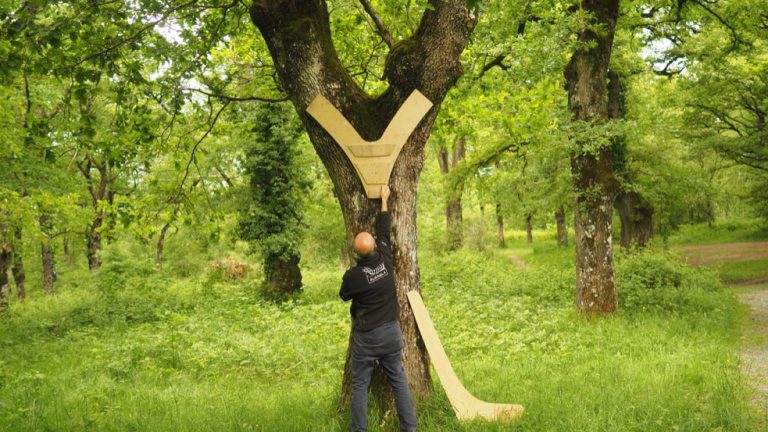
x,y
385,192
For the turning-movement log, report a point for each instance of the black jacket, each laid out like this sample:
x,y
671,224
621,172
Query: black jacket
x,y
371,283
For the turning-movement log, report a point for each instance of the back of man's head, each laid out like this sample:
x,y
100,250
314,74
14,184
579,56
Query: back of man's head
x,y
364,244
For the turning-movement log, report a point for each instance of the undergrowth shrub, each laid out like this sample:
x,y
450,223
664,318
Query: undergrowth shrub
x,y
121,268
226,270
655,280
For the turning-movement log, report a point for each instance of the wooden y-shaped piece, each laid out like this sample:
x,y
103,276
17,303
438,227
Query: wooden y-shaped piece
x,y
373,160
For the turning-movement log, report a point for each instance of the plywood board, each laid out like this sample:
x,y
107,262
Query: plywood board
x,y
373,160
466,406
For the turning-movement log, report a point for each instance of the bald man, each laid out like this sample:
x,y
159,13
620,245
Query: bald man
x,y
376,334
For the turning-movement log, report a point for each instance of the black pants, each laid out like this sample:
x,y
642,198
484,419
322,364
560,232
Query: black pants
x,y
384,343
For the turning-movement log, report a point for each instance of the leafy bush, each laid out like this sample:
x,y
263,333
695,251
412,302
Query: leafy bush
x,y
122,267
651,279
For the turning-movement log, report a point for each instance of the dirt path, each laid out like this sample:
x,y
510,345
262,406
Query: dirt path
x,y
755,356
726,252
519,263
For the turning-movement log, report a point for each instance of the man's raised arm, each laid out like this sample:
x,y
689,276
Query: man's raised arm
x,y
383,220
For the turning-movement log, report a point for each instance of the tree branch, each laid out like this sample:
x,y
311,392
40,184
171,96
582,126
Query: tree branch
x,y
496,62
382,29
212,119
134,36
736,38
233,98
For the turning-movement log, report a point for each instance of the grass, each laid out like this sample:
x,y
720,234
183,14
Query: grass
x,y
741,271
732,231
130,349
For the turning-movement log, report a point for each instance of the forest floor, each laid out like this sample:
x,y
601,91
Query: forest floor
x,y
754,353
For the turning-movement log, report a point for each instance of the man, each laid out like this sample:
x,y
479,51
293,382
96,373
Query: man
x,y
376,334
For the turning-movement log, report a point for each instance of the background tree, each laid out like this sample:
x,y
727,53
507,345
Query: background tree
x,y
272,220
593,175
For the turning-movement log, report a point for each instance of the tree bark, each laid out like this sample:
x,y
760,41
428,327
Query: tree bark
x,y
159,255
562,230
500,226
454,221
99,191
636,215
529,227
46,253
283,275
6,255
19,275
66,253
93,241
298,36
594,180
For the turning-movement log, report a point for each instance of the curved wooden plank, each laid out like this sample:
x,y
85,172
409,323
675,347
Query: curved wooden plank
x,y
466,406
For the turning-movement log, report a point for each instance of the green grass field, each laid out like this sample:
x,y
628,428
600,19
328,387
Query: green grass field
x,y
132,350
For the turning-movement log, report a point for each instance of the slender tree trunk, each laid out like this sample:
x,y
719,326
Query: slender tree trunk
x,y
5,281
99,190
159,255
6,255
453,212
500,226
529,227
562,230
67,252
594,180
46,249
298,36
19,275
454,222
93,241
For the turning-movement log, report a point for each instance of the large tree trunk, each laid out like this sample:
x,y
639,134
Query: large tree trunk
x,y
66,252
298,36
282,274
19,275
636,215
454,222
562,230
500,226
594,180
46,253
